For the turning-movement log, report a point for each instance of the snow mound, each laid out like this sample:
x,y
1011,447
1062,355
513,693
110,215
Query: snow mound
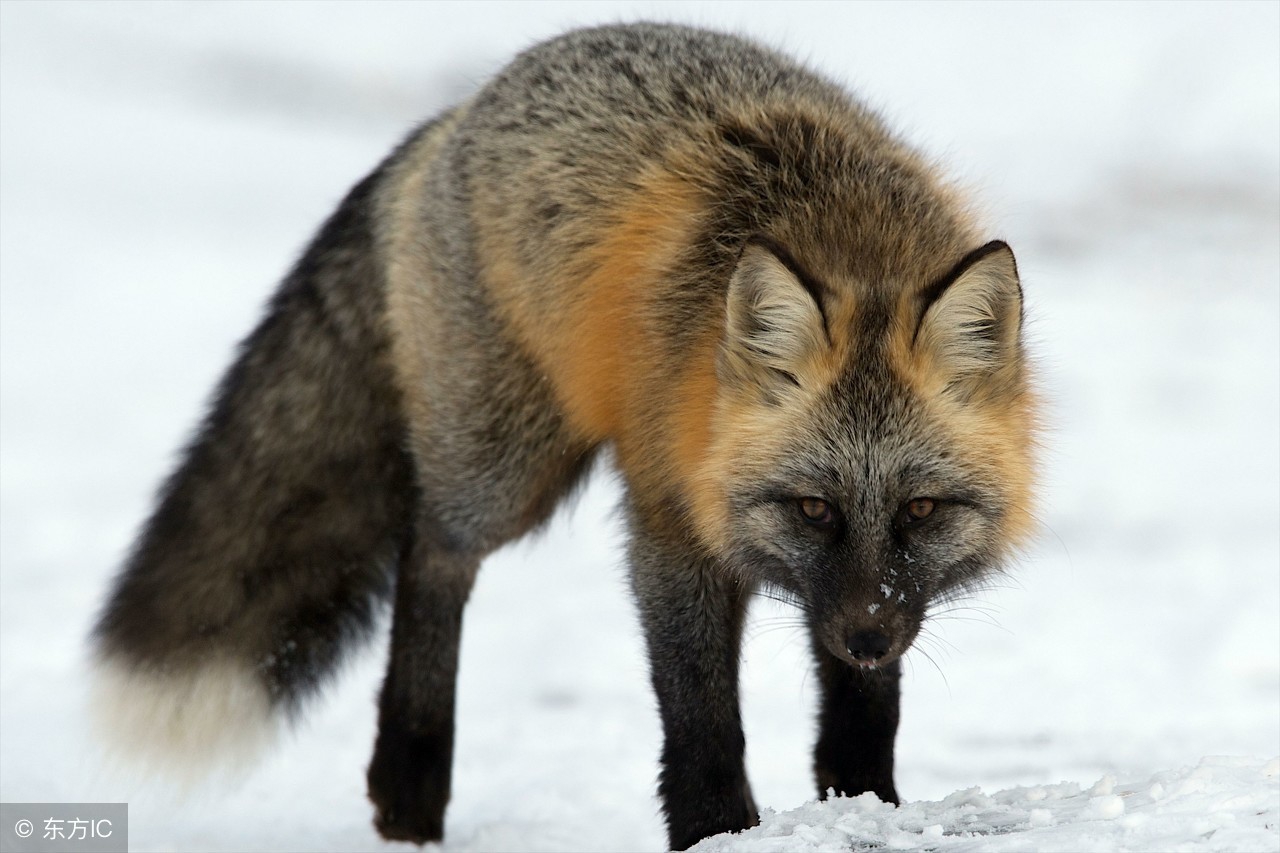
x,y
1221,804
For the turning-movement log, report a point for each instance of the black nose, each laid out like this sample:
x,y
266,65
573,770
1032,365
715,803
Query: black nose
x,y
868,646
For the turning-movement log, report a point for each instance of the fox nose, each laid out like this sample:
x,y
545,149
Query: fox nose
x,y
867,646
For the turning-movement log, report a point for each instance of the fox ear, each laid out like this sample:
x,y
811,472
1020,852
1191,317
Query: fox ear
x,y
972,319
773,324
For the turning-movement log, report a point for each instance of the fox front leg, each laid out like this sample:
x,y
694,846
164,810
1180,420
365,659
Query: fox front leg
x,y
412,762
692,616
857,723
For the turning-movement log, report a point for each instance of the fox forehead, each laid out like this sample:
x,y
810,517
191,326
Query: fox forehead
x,y
870,436
865,426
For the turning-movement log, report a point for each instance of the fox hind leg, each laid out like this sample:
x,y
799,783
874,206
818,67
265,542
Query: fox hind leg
x,y
494,457
410,773
409,776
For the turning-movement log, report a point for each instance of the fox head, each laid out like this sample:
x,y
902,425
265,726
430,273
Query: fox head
x,y
870,461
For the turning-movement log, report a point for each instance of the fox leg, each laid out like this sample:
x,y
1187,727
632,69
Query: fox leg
x,y
494,456
692,613
857,722
409,776
412,762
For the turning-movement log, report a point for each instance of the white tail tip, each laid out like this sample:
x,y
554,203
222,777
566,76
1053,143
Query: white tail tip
x,y
185,725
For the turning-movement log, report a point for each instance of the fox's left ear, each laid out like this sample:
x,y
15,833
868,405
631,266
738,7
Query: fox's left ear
x,y
971,321
773,324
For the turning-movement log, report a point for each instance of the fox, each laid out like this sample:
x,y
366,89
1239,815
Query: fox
x,y
671,249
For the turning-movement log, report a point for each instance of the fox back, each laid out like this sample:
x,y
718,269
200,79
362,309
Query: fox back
x,y
804,354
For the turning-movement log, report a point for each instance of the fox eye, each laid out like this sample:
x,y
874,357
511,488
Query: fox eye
x,y
918,509
817,512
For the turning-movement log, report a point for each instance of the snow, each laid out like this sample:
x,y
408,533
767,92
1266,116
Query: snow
x,y
162,164
1220,804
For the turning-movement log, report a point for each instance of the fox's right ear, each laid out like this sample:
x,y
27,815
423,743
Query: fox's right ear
x,y
773,325
972,319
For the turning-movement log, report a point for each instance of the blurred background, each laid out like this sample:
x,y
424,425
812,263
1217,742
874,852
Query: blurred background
x,y
161,165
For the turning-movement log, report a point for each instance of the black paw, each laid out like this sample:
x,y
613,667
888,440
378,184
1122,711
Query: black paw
x,y
417,829
732,811
409,787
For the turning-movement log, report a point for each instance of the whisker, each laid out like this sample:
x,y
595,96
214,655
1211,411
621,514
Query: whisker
x,y
965,604
985,614
1065,550
773,623
758,631
783,597
988,622
930,659
804,677
937,640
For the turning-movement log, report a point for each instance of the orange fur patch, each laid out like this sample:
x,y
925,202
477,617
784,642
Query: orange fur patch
x,y
609,348
691,420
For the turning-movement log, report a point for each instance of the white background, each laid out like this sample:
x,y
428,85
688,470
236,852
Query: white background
x,y
161,165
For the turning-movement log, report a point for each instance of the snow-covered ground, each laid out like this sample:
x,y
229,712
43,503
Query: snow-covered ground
x,y
161,165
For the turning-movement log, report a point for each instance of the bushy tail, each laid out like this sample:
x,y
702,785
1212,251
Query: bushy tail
x,y
273,542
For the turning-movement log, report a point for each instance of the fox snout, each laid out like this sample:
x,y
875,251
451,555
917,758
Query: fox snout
x,y
868,647
869,641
